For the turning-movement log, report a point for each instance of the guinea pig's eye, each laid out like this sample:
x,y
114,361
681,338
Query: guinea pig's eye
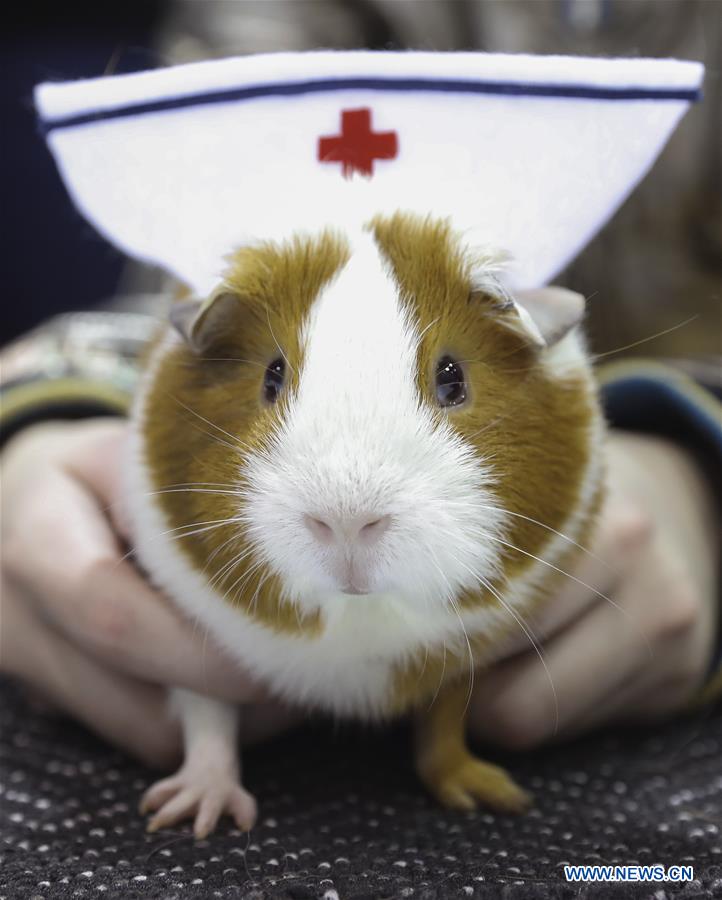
x,y
450,384
273,380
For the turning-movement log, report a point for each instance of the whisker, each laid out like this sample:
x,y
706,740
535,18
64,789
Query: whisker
x,y
242,581
232,593
430,325
219,440
235,493
209,526
190,484
263,580
229,565
270,328
488,365
553,531
248,362
454,606
441,679
426,659
204,649
236,442
226,570
535,644
220,547
580,582
200,484
177,537
527,631
172,488
470,437
470,690
652,337
196,525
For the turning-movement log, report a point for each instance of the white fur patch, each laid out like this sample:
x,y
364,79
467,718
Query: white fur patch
x,y
359,441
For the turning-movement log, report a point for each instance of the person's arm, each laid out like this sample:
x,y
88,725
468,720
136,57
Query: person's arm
x,y
73,366
681,402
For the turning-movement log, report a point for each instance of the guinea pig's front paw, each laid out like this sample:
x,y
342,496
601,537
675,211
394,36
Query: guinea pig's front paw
x,y
203,794
463,781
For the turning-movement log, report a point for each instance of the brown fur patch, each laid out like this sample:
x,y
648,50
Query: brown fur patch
x,y
532,427
204,414
451,773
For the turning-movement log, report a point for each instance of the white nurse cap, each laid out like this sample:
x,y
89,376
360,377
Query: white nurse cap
x,y
532,154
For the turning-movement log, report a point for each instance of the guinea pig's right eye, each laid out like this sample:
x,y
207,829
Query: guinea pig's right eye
x,y
450,383
273,380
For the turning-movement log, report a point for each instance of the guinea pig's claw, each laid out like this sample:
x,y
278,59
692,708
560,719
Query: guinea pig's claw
x,y
466,782
200,796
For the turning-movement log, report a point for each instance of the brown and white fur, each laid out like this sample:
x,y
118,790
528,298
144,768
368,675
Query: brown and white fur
x,y
357,546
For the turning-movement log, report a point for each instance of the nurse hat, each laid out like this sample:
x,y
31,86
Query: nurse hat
x,y
179,166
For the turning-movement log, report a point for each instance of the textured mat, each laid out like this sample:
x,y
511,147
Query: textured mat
x,y
342,818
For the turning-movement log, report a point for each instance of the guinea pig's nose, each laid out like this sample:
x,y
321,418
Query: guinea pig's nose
x,y
365,529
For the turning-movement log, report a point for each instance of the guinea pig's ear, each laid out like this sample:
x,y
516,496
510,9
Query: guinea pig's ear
x,y
204,323
549,313
544,315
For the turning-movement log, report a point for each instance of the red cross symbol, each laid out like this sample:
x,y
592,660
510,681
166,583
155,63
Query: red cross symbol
x,y
357,146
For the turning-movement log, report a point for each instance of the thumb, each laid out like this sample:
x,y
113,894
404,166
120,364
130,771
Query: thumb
x,y
96,460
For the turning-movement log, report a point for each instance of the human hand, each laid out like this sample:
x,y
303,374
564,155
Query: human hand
x,y
80,625
640,654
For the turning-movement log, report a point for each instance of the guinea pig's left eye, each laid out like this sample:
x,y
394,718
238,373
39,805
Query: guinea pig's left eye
x,y
273,380
450,384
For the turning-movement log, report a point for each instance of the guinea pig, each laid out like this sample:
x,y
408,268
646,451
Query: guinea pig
x,y
360,464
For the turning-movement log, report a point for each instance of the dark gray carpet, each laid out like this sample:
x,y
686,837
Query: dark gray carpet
x,y
343,817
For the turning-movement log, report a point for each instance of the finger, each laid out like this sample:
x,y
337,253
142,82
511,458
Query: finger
x,y
98,463
70,565
624,532
680,632
524,702
131,626
137,630
158,794
622,535
611,708
209,812
242,806
127,713
179,807
643,699
654,701
658,690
